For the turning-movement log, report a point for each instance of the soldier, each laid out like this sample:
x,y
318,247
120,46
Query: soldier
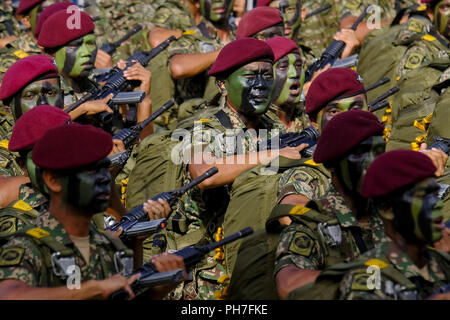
x,y
73,169
341,218
261,23
408,267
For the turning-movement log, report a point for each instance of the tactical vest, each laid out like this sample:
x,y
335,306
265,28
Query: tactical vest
x,y
253,195
58,258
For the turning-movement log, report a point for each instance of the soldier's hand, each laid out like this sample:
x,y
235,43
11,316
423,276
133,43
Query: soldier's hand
x,y
293,152
112,284
167,262
138,72
438,157
97,106
103,60
157,209
350,39
6,40
118,147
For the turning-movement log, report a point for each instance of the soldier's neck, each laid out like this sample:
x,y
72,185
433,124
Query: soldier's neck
x,y
75,222
250,122
287,117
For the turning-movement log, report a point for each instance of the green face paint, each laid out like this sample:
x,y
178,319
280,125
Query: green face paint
x,y
36,11
35,175
337,106
353,167
250,87
442,18
417,213
76,59
289,78
216,11
292,18
37,93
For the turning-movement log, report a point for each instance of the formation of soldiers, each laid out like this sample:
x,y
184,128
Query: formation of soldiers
x,y
322,125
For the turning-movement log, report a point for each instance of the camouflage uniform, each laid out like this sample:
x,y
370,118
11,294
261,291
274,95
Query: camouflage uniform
x,y
8,164
173,15
388,7
22,257
301,121
322,236
401,279
317,32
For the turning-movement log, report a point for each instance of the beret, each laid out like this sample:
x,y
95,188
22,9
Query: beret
x,y
48,12
56,33
25,5
30,127
263,3
24,71
281,46
71,146
333,84
395,169
256,20
345,131
239,53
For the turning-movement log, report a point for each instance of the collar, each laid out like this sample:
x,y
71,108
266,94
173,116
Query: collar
x,y
31,196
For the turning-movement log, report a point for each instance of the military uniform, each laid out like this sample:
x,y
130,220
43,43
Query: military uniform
x,y
27,256
8,164
321,235
401,279
388,8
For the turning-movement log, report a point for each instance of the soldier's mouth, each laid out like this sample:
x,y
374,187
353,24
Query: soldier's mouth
x,y
294,89
287,31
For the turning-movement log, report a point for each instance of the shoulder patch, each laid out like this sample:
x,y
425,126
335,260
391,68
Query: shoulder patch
x,y
376,262
312,163
299,210
415,26
201,136
301,244
38,233
353,4
11,256
360,282
428,37
22,205
4,144
20,54
414,60
302,177
8,225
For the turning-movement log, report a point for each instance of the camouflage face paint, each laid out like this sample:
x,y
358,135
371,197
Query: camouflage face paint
x,y
35,175
354,166
289,78
442,18
47,91
336,106
417,213
216,11
76,59
88,190
36,11
273,31
292,19
250,88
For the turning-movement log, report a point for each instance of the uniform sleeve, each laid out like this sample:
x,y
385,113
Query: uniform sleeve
x,y
415,57
302,181
184,45
297,248
20,260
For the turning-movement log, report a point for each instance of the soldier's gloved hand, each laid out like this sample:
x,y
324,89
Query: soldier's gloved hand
x,y
103,60
438,157
157,209
350,39
293,152
112,284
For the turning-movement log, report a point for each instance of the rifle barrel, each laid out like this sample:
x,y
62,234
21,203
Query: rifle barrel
x,y
378,83
317,11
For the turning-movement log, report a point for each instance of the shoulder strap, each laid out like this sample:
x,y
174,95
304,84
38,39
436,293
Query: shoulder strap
x,y
202,27
224,119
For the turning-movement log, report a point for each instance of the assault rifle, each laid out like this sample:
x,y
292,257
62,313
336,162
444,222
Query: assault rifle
x,y
294,139
379,103
333,52
317,11
110,48
191,256
116,83
139,215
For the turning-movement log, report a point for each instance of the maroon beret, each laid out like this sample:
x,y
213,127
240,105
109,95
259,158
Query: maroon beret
x,y
281,46
25,5
48,12
71,146
30,127
333,84
263,3
56,33
24,71
239,53
256,20
395,169
345,131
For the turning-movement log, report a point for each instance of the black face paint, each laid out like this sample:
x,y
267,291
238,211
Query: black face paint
x,y
273,31
288,81
417,211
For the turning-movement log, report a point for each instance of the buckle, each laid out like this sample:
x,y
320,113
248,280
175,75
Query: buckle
x,y
60,265
123,263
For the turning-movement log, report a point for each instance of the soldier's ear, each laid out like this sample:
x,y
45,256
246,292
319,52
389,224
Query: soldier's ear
x,y
52,181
